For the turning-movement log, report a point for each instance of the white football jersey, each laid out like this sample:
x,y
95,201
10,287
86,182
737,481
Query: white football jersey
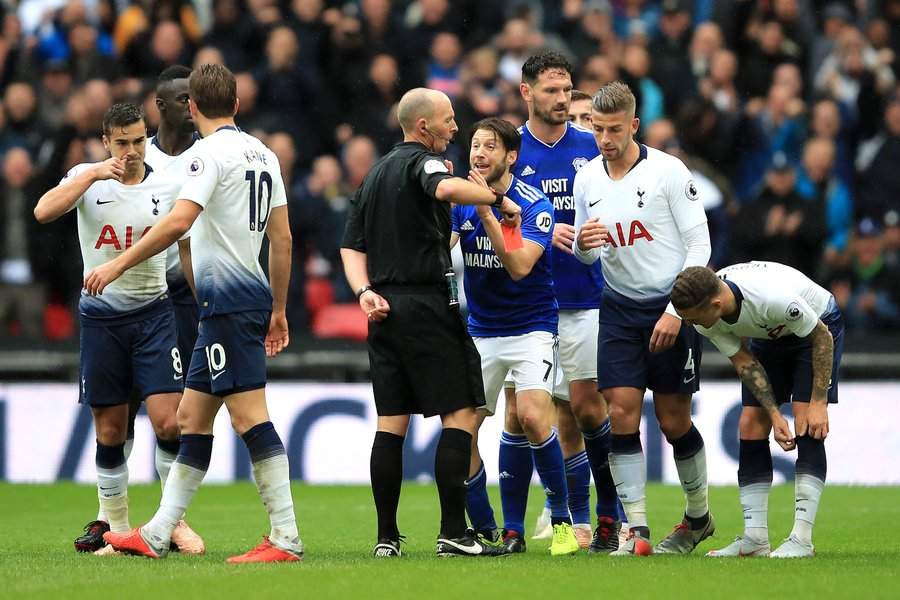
x,y
646,213
775,300
237,181
112,217
173,167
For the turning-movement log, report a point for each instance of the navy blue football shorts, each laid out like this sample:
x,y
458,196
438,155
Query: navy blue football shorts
x,y
230,354
788,363
120,357
623,348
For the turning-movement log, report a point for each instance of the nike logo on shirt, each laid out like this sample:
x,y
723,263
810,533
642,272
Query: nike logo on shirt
x,y
104,202
594,202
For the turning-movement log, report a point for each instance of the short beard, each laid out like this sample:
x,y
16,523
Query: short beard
x,y
547,117
495,174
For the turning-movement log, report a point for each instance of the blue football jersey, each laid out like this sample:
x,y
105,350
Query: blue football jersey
x,y
499,306
551,169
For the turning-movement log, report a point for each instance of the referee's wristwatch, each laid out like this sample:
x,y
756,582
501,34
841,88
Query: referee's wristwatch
x,y
363,290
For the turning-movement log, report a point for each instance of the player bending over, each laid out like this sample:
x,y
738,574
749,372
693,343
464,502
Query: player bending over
x,y
796,336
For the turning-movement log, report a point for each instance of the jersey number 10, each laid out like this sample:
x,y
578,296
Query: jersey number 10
x,y
260,194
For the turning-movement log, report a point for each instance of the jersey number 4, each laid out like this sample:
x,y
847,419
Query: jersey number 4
x,y
260,199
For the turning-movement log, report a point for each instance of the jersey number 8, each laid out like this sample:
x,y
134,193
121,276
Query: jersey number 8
x,y
260,194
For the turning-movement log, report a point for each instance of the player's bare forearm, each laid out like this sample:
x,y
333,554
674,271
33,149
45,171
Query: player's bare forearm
x,y
187,264
463,191
753,375
279,273
60,200
822,361
279,233
356,269
518,263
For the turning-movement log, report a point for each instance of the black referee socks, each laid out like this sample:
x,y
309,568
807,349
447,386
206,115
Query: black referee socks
x,y
386,471
451,467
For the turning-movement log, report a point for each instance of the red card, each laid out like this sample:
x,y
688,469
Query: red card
x,y
512,237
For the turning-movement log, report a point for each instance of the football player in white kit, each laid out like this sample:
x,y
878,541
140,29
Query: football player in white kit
x,y
128,338
796,336
233,196
174,135
636,209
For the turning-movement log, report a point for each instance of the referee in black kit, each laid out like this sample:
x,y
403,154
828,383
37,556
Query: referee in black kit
x,y
396,254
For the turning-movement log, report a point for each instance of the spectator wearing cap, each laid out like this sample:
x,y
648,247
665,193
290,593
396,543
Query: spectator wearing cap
x,y
868,287
878,162
818,184
53,93
779,224
836,16
638,18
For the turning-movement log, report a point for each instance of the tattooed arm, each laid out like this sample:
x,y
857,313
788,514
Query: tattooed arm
x,y
754,377
816,422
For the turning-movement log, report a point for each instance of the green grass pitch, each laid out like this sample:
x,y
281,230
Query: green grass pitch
x,y
856,539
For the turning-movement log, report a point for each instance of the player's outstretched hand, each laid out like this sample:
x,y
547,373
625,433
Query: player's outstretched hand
x,y
814,422
278,338
375,306
782,432
564,237
478,179
664,333
593,234
111,168
97,279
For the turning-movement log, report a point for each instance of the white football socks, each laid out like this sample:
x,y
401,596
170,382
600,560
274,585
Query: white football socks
x,y
692,474
181,485
755,502
112,492
101,514
629,473
273,481
807,491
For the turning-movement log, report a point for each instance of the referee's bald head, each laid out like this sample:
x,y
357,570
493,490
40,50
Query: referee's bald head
x,y
417,103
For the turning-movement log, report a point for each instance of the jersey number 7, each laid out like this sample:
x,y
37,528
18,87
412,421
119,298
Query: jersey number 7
x,y
259,193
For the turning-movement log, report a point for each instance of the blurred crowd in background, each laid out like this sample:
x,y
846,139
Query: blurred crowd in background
x,y
787,112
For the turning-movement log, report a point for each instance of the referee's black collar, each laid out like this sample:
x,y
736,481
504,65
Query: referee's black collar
x,y
738,301
642,154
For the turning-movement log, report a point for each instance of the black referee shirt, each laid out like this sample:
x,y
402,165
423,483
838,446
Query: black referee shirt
x,y
396,220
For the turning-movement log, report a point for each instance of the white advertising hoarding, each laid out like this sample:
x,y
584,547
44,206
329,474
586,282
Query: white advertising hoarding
x,y
327,429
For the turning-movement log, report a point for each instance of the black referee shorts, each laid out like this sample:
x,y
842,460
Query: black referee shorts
x,y
423,360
